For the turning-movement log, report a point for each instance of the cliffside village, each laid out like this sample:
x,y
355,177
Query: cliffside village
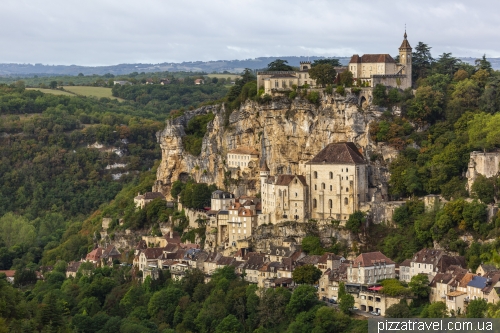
x,y
330,187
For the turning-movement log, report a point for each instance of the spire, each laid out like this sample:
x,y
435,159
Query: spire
x,y
263,165
405,45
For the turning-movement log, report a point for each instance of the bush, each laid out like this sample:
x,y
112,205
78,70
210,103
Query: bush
x,y
356,90
313,97
340,90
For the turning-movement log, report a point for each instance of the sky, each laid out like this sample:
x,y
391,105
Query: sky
x,y
109,32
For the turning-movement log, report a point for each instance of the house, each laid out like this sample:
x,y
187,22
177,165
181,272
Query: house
x,y
284,197
242,218
199,81
109,254
371,267
221,200
431,262
338,182
122,83
165,81
9,275
149,257
254,262
142,200
485,270
275,81
404,271
242,157
72,268
94,256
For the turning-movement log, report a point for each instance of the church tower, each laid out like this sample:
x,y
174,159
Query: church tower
x,y
405,58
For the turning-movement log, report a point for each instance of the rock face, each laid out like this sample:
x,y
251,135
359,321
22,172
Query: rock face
x,y
287,133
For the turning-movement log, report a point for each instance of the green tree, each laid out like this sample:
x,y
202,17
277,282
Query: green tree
x,y
312,245
477,308
346,78
483,64
304,297
399,310
434,310
484,189
53,84
308,274
279,65
329,320
323,74
356,222
329,61
419,285
346,303
229,325
421,61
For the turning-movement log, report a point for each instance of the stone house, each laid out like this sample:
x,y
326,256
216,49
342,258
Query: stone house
x,y
485,270
109,254
272,81
431,261
141,200
284,197
267,274
94,256
482,163
242,219
72,268
242,157
371,267
221,200
254,262
149,258
338,182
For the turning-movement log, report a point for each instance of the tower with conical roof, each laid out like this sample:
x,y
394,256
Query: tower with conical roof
x,y
405,58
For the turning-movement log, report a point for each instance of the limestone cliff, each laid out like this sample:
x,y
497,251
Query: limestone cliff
x,y
288,133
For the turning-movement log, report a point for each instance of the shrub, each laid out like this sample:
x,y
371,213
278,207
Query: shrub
x,y
340,90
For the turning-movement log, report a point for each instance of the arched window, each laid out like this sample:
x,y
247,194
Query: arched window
x,y
315,187
331,187
347,189
330,204
315,203
315,174
346,201
284,193
322,186
331,175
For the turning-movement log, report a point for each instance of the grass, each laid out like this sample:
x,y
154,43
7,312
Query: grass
x,y
225,76
97,92
52,91
91,91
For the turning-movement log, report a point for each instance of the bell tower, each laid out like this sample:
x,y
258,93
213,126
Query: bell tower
x,y
405,58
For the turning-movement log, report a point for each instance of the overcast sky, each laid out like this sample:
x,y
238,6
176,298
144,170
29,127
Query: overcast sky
x,y
108,32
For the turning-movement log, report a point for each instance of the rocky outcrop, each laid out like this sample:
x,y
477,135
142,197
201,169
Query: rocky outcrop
x,y
287,133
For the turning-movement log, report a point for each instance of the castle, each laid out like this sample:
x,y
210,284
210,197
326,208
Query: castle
x,y
371,69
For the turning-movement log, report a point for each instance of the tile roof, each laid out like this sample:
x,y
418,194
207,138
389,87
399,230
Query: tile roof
x,y
339,153
8,273
372,58
405,44
153,252
285,180
244,150
95,254
371,258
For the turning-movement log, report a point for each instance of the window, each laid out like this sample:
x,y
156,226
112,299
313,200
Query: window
x,y
315,187
331,187
331,175
276,83
315,175
346,201
346,169
283,83
315,203
330,204
296,194
322,186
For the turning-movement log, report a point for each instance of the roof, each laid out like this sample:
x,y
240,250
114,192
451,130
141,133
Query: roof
x,y
456,293
153,195
339,153
428,256
282,75
371,58
263,165
9,273
285,180
153,252
244,150
95,254
73,266
405,263
405,44
110,251
477,282
488,268
372,258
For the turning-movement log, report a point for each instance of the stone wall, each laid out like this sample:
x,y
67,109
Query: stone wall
x,y
480,163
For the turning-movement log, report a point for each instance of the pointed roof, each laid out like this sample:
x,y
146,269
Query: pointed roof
x,y
263,165
405,44
339,153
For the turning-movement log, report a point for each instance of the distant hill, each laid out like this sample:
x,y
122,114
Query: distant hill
x,y
232,66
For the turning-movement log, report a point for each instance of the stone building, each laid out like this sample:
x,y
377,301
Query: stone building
x,y
141,200
371,267
338,182
242,219
284,80
221,200
242,157
382,68
284,197
481,163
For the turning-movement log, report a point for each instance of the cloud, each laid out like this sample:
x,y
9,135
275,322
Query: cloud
x,y
105,32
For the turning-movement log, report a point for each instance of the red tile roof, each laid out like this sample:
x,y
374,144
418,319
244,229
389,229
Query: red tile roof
x,y
371,258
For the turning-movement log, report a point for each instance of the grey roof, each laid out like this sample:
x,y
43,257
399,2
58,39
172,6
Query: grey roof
x,y
477,282
339,153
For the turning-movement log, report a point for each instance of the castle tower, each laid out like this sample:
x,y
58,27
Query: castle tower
x,y
405,58
305,65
